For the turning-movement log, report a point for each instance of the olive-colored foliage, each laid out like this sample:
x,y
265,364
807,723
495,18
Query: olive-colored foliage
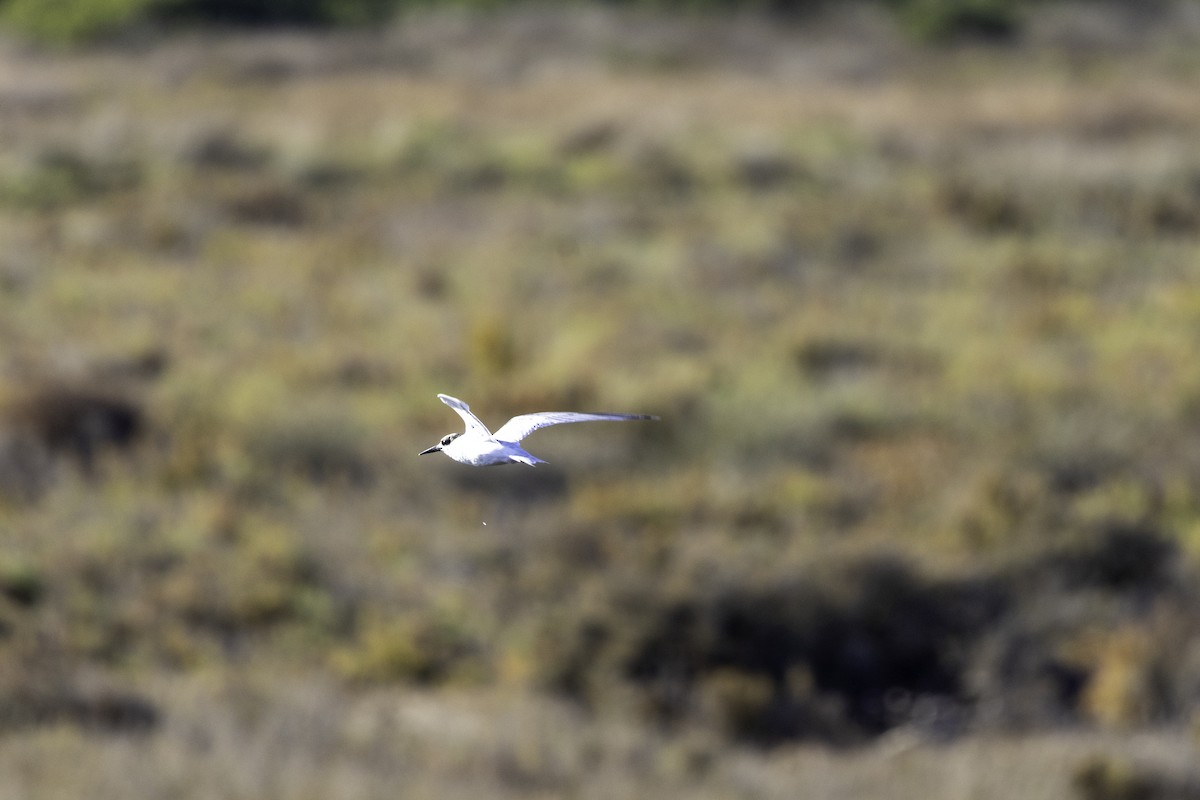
x,y
1122,778
74,21
920,330
944,20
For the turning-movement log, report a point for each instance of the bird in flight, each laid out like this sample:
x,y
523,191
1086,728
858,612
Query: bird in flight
x,y
479,447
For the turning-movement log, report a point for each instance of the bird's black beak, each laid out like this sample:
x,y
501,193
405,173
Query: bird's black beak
x,y
433,449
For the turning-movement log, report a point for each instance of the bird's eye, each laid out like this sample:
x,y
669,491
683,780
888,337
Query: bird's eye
x,y
447,439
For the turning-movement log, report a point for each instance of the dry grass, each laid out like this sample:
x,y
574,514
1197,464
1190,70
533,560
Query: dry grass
x,y
242,739
919,325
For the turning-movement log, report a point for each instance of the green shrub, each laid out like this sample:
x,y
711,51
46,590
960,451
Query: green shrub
x,y
59,178
66,21
946,20
73,21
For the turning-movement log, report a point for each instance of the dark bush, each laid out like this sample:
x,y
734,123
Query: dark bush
x,y
38,688
822,358
949,20
102,711
277,12
77,421
989,210
1123,558
837,657
846,652
22,584
268,205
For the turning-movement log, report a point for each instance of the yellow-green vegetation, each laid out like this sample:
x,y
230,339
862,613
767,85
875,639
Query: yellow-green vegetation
x,y
921,326
75,22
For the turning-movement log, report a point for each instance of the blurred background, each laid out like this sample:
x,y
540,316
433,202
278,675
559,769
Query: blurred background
x,y
911,284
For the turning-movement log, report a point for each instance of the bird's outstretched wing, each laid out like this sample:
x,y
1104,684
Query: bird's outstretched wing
x,y
518,428
464,411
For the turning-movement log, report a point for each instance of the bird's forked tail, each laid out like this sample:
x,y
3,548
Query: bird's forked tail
x,y
527,458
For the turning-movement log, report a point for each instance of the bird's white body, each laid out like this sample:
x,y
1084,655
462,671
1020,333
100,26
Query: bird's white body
x,y
479,452
479,447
